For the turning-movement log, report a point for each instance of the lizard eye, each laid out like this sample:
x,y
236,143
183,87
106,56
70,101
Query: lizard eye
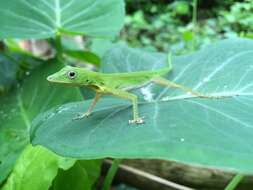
x,y
72,74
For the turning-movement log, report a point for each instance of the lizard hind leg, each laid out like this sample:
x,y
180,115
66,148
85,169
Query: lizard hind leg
x,y
126,95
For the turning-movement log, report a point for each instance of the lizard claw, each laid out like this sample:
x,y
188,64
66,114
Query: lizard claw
x,y
81,116
136,121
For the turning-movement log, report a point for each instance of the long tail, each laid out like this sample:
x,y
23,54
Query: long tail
x,y
165,82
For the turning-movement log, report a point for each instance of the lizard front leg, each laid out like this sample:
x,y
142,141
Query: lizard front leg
x,y
89,111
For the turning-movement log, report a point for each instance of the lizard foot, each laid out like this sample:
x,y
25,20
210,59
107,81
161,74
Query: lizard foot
x,y
81,116
136,121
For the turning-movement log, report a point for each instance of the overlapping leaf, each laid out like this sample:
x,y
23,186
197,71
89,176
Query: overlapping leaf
x,y
45,18
31,164
21,105
82,175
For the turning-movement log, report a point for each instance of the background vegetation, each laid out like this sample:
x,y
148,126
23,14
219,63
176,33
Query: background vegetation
x,y
168,25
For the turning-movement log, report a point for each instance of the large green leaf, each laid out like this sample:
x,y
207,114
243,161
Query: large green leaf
x,y
35,169
45,18
20,106
208,132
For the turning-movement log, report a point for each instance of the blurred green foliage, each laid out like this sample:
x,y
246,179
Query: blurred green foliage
x,y
238,19
167,25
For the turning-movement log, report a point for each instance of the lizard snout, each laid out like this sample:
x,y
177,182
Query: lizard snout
x,y
49,78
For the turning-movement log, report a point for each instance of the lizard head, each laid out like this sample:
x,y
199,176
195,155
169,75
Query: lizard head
x,y
71,75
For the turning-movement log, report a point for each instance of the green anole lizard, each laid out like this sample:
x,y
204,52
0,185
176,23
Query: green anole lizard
x,y
116,84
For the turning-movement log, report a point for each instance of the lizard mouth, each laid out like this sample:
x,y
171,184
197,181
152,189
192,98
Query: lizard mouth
x,y
50,78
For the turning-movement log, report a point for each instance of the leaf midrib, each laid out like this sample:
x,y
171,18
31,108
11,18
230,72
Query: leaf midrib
x,y
57,15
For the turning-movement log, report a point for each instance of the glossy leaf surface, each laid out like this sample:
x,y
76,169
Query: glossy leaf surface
x,y
178,126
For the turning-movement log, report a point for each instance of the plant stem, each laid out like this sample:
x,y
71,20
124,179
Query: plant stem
x,y
110,174
234,182
58,46
194,22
